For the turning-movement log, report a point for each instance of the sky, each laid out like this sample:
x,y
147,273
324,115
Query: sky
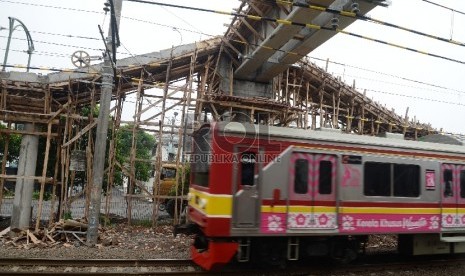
x,y
433,89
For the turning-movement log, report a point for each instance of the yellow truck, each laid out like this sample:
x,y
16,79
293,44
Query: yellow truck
x,y
167,188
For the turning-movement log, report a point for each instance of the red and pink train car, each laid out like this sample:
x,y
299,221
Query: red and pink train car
x,y
271,194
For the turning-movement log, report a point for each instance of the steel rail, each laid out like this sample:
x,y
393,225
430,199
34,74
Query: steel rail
x,y
95,262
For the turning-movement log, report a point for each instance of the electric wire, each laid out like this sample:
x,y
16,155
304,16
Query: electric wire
x,y
413,97
48,6
135,79
305,25
444,7
363,18
54,43
40,53
397,84
251,44
144,21
62,35
389,75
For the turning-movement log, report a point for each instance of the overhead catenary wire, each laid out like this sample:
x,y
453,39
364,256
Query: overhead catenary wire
x,y
242,42
389,75
54,43
413,97
183,29
305,25
48,6
444,7
63,35
147,22
399,84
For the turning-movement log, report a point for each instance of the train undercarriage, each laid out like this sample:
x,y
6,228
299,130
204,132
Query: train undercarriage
x,y
212,253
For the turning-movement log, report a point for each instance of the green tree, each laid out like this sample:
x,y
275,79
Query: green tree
x,y
144,145
13,146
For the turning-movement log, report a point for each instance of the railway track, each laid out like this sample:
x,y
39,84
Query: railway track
x,y
378,265
19,266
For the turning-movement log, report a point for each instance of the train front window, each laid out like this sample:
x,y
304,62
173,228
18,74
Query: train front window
x,y
200,158
301,176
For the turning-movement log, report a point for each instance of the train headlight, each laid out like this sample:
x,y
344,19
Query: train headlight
x,y
189,196
202,203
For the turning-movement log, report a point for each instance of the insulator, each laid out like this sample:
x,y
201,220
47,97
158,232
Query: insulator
x,y
107,7
355,8
334,22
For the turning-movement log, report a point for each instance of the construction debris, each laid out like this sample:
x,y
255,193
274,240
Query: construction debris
x,y
65,232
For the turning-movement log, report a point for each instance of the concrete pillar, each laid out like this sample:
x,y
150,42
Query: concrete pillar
x,y
24,187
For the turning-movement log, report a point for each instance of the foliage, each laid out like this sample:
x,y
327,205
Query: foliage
x,y
13,146
41,156
9,193
144,145
184,190
36,195
68,215
144,223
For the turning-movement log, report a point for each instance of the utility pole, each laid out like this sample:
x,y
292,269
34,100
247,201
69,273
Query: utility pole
x,y
102,129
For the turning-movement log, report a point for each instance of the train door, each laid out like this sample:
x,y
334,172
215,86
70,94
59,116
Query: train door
x,y
245,193
312,194
453,195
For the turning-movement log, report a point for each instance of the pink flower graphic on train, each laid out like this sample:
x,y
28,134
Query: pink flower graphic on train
x,y
348,223
323,219
275,223
434,223
449,219
463,219
300,219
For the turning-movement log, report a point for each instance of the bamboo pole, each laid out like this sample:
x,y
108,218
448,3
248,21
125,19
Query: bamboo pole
x,y
47,109
180,169
54,188
158,158
132,156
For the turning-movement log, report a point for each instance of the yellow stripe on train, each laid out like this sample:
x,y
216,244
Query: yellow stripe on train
x,y
297,209
389,210
210,204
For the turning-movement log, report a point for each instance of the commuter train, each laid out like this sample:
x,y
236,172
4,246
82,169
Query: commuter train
x,y
272,194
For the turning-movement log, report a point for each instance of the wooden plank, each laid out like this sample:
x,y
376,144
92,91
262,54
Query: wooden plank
x,y
80,133
5,231
33,237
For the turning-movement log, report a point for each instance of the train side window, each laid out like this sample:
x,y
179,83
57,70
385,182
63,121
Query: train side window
x,y
324,186
377,179
301,176
248,168
447,176
462,184
406,180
